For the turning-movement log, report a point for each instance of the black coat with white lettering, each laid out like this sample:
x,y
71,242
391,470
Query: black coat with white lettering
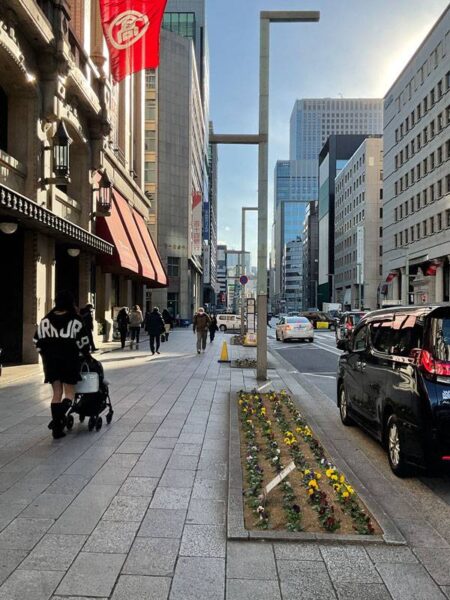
x,y
61,336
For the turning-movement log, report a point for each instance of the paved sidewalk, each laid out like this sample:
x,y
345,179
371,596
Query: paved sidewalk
x,y
137,511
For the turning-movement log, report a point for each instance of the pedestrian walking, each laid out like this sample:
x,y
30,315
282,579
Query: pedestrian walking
x,y
154,326
213,327
87,315
60,338
123,321
168,322
136,320
201,326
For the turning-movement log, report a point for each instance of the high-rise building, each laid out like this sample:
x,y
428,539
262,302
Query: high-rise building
x,y
416,207
289,214
292,285
210,287
332,159
312,122
310,256
222,277
358,231
181,161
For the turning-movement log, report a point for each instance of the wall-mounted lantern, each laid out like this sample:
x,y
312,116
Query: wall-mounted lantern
x,y
61,152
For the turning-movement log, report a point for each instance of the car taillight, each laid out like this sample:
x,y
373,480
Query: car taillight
x,y
429,364
289,327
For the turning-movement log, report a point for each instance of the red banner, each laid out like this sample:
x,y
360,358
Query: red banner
x,y
132,29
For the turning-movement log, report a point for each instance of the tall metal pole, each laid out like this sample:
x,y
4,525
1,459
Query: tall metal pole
x,y
263,159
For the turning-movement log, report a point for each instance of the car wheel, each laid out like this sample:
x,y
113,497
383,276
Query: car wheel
x,y
394,448
223,328
276,336
343,407
282,339
311,340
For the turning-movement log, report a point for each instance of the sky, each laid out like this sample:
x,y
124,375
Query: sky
x,y
357,49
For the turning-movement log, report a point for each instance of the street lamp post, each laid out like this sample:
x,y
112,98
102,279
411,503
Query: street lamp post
x,y
266,17
242,269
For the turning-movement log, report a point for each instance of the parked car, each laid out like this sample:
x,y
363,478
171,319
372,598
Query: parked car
x,y
290,328
394,381
318,317
346,325
227,321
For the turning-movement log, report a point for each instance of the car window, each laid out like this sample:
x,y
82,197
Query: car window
x,y
440,338
360,339
382,336
296,320
408,334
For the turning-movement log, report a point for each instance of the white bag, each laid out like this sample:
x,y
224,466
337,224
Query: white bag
x,y
90,381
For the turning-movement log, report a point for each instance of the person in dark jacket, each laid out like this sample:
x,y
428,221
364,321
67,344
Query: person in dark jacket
x,y
154,326
123,320
60,338
168,322
87,315
201,326
213,327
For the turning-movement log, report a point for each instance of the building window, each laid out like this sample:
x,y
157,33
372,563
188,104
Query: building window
x,y
150,140
150,110
150,172
431,225
150,79
173,266
439,222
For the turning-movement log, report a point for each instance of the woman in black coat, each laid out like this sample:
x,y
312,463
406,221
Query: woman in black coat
x,y
123,320
60,338
154,326
168,322
213,327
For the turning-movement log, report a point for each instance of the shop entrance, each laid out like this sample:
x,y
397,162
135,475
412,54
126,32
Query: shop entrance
x,y
11,298
67,269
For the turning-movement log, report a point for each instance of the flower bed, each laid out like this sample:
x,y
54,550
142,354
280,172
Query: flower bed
x,y
315,496
244,363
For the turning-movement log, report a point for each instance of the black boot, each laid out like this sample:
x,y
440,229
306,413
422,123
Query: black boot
x,y
58,420
67,405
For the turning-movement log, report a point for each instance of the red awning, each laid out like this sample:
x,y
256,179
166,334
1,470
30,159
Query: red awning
x,y
152,252
113,230
145,266
391,276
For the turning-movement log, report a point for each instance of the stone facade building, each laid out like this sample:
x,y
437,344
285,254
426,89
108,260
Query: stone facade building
x,y
73,213
358,228
416,208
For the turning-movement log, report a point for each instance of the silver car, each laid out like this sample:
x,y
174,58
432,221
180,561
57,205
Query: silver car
x,y
294,328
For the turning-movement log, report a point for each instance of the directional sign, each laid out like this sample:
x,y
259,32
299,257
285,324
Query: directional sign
x,y
243,279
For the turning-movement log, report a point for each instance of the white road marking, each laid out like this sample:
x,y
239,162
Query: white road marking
x,y
264,386
320,375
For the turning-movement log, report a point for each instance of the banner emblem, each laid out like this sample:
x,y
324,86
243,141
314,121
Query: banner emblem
x,y
127,28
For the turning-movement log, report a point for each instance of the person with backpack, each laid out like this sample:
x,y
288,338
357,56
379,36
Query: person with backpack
x,y
60,338
136,320
154,326
201,326
123,320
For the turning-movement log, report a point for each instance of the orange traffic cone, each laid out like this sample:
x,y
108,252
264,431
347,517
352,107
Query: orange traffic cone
x,y
224,354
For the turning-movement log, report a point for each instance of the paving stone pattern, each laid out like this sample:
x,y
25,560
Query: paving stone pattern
x,y
138,510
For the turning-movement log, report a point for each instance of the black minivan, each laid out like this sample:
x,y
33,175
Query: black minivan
x,y
394,381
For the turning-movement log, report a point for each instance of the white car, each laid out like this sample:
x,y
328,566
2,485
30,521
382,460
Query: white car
x,y
294,328
226,321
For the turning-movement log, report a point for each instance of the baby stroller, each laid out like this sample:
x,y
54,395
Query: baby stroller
x,y
92,402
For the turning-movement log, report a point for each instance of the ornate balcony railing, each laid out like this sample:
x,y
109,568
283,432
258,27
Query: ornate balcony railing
x,y
27,210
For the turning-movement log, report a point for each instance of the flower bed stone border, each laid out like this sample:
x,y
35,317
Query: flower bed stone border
x,y
235,506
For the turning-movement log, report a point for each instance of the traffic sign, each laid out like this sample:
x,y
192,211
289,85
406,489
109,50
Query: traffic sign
x,y
243,279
